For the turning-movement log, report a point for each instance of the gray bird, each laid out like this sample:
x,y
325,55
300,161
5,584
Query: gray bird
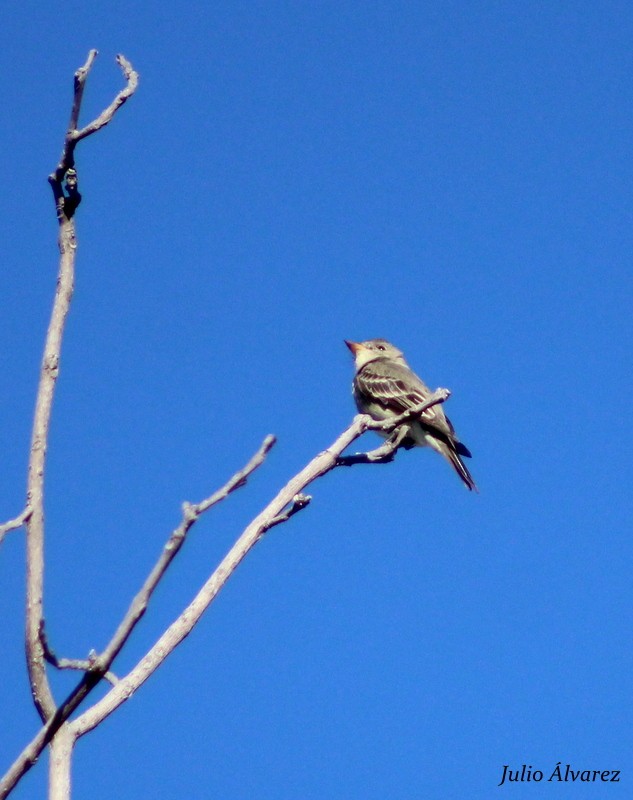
x,y
385,386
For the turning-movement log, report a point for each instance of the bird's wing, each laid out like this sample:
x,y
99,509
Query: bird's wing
x,y
397,388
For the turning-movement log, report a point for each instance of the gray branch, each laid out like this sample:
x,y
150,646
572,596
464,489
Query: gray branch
x,y
15,523
99,665
65,176
57,729
65,206
289,501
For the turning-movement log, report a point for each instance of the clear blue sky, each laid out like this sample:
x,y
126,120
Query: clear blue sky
x,y
455,177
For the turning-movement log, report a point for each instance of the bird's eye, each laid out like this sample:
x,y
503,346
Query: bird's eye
x,y
380,347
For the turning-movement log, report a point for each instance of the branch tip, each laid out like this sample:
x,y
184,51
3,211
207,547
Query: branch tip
x,y
66,206
128,70
269,442
82,72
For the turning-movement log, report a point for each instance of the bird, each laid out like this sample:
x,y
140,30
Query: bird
x,y
385,386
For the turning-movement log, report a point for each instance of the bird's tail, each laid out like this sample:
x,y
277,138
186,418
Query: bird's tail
x,y
451,450
460,468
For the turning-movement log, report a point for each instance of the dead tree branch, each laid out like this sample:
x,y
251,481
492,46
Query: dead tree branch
x,y
65,204
289,501
286,504
99,665
58,730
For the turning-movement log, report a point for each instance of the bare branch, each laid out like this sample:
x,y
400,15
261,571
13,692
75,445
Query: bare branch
x,y
131,79
80,81
40,687
82,665
288,502
15,523
99,665
191,513
381,455
74,134
59,764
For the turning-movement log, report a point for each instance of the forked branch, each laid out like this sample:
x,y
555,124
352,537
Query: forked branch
x,y
289,501
98,665
65,207
65,170
57,729
286,504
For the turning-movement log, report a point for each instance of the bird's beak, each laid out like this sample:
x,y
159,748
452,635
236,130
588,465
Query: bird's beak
x,y
353,346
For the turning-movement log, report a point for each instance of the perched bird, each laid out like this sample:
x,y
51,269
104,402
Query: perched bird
x,y
385,386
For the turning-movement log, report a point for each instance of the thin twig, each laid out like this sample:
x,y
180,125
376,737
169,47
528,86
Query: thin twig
x,y
80,664
83,665
381,455
299,502
15,523
131,80
190,515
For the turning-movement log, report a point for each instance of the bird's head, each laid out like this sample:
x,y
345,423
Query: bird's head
x,y
364,352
